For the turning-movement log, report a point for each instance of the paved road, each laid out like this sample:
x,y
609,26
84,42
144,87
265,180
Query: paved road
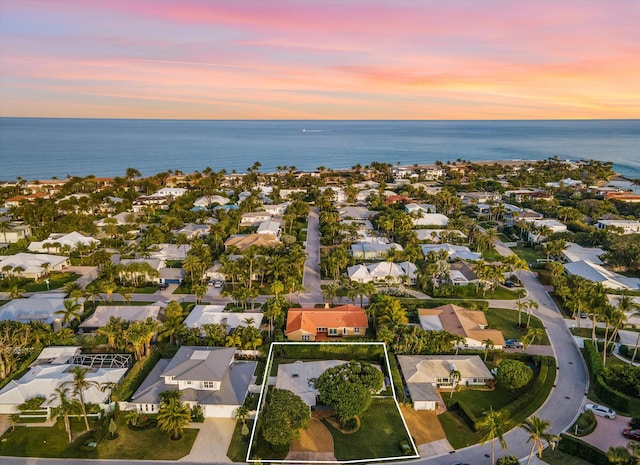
x,y
311,277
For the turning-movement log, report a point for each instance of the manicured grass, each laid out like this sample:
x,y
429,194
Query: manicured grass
x,y
143,290
458,432
480,401
238,447
555,457
152,444
380,434
492,255
56,281
529,254
469,292
506,320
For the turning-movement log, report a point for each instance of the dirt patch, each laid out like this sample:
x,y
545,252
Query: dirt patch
x,y
423,425
316,438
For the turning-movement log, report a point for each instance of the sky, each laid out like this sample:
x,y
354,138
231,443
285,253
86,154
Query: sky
x,y
330,59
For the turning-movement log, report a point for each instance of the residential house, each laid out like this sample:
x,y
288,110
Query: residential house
x,y
103,313
32,266
166,252
472,198
574,253
424,373
454,252
154,202
52,369
296,377
439,235
271,227
628,226
373,250
383,271
431,219
210,377
461,274
355,213
470,324
276,209
598,274
170,192
193,230
14,233
254,218
244,241
312,324
554,225
207,200
40,307
215,314
70,240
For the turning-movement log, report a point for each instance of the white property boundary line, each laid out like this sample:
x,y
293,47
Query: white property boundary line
x,y
265,383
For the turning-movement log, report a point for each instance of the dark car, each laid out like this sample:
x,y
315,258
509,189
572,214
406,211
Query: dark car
x,y
632,434
514,344
510,284
163,286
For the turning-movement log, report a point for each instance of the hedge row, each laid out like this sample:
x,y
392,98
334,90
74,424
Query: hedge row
x,y
135,376
413,304
396,378
610,396
577,448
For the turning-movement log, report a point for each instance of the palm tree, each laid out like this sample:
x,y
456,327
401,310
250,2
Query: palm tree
x,y
71,311
79,384
454,376
493,427
488,345
520,305
66,406
537,429
330,292
15,292
628,306
173,416
532,335
531,304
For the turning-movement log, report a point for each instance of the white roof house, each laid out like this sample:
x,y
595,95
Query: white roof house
x,y
42,379
629,226
170,192
40,307
71,239
431,219
170,251
102,314
454,252
295,377
423,373
380,271
212,314
575,253
420,209
34,265
270,227
207,200
372,250
598,274
554,225
436,234
192,230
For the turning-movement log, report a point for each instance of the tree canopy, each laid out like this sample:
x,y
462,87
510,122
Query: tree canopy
x,y
348,388
513,374
284,416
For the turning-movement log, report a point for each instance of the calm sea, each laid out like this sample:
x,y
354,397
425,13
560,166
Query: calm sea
x,y
39,148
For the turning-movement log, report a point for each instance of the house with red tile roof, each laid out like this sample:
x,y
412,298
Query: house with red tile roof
x,y
314,324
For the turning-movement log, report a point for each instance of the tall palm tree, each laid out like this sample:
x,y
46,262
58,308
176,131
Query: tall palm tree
x,y
493,428
173,416
71,311
531,304
66,406
537,429
454,376
630,308
330,292
532,335
80,384
488,345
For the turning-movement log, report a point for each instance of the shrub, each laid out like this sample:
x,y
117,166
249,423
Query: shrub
x,y
135,377
623,378
513,374
635,422
585,423
610,396
577,448
508,460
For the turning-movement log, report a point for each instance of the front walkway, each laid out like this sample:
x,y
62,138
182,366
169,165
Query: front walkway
x,y
212,442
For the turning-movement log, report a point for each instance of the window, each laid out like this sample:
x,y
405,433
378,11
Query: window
x,y
344,331
208,384
356,330
333,332
187,382
321,330
305,337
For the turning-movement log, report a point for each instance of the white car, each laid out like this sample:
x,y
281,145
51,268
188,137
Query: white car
x,y
600,410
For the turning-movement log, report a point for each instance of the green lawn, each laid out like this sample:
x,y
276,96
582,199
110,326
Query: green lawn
x,y
56,281
506,320
238,447
555,457
479,401
458,432
469,292
529,254
152,444
380,434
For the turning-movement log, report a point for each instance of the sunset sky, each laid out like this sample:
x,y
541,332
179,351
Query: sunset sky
x,y
330,59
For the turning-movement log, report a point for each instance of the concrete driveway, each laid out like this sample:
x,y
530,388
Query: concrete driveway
x,y
212,442
608,433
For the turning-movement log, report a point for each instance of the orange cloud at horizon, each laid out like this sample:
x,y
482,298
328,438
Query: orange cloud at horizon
x,y
342,60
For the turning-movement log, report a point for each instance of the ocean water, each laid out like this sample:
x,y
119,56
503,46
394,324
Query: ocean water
x,y
39,148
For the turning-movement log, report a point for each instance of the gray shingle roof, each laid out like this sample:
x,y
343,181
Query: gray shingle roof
x,y
200,363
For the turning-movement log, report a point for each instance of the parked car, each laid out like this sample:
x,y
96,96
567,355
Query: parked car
x,y
218,283
600,410
510,284
632,434
163,286
514,344
583,314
